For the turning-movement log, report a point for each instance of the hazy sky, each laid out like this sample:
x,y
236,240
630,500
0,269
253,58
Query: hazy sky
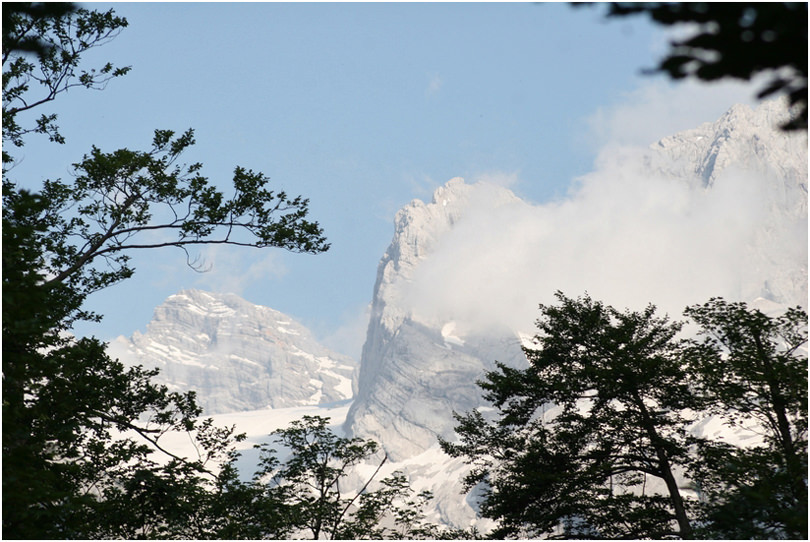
x,y
362,108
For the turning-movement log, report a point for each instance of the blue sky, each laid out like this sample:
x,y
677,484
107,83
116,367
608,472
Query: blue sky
x,y
362,108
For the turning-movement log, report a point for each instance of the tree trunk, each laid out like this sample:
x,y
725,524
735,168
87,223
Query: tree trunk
x,y
675,497
674,494
778,404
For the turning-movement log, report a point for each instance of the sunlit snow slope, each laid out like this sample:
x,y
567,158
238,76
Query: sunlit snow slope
x,y
237,356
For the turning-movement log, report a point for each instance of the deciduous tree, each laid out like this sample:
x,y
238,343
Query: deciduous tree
x,y
584,430
82,434
316,492
606,407
311,487
751,370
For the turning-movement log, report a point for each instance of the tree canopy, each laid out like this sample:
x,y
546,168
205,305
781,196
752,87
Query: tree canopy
x,y
737,40
751,370
67,407
597,413
82,434
594,439
308,494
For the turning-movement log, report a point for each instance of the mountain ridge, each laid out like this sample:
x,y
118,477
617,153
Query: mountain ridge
x,y
432,358
237,356
426,347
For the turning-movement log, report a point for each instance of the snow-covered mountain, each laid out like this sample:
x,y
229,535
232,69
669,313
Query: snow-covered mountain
x,y
745,139
743,143
236,355
720,210
716,211
414,375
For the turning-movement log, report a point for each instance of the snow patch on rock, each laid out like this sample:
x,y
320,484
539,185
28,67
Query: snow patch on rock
x,y
237,356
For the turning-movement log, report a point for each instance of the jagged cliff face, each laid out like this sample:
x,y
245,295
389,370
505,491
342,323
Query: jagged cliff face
x,y
744,139
727,217
744,143
414,373
236,355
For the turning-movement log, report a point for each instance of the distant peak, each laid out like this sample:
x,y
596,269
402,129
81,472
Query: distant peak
x,y
195,295
212,302
455,181
450,190
739,108
769,114
194,292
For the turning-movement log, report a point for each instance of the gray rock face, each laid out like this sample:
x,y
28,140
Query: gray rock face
x,y
237,356
743,139
746,142
415,370
422,378
415,374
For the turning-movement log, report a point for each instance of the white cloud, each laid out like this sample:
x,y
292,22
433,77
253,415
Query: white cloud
x,y
435,84
234,269
623,235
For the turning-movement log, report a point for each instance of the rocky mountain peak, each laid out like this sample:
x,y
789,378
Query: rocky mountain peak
x,y
430,371
418,226
416,371
744,138
236,355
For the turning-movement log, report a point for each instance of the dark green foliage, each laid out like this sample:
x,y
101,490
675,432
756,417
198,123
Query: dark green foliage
x,y
18,15
69,469
118,197
604,408
737,40
83,453
42,49
751,371
579,432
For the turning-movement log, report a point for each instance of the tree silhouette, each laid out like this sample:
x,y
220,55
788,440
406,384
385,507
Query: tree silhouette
x,y
737,40
82,434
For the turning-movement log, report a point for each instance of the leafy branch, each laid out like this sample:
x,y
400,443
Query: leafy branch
x,y
58,37
117,198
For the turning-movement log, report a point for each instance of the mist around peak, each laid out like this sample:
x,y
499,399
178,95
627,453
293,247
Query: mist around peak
x,y
644,227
